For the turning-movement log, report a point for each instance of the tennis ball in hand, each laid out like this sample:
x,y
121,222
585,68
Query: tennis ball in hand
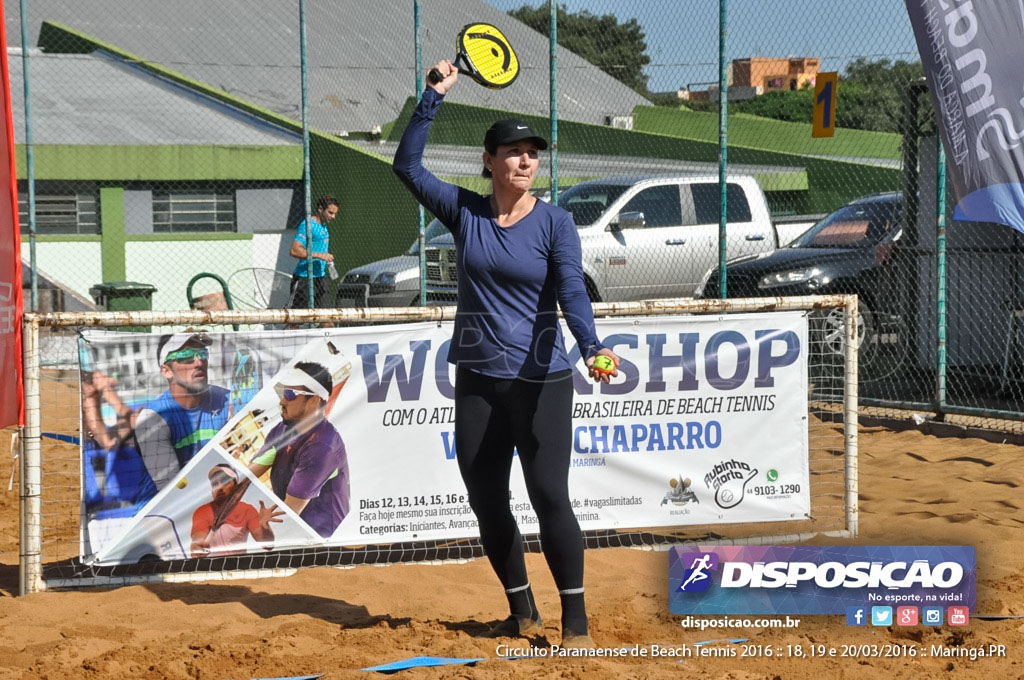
x,y
182,483
603,364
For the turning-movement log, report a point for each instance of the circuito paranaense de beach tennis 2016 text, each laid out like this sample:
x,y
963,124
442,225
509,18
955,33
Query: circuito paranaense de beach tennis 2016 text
x,y
792,651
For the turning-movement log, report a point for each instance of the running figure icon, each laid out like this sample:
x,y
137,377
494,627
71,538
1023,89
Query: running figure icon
x,y
698,571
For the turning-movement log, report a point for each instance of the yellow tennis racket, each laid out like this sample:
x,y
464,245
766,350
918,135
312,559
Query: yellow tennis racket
x,y
484,54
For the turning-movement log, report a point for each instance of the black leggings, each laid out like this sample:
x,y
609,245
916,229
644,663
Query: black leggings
x,y
493,415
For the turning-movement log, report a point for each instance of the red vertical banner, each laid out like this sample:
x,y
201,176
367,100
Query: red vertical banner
x,y
12,402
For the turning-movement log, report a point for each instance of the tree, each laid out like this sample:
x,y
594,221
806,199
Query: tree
x,y
794,107
620,50
881,87
798,106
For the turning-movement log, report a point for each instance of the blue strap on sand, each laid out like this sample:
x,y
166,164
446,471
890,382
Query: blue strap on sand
x,y
734,641
420,662
69,438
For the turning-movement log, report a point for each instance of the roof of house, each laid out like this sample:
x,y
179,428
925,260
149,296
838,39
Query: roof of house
x,y
360,54
72,97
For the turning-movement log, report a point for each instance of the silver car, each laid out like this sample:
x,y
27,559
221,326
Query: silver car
x,y
394,282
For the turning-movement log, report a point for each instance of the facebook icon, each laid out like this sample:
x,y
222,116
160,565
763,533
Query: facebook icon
x,y
856,616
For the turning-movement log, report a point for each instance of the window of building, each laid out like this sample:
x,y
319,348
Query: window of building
x,y
61,208
185,210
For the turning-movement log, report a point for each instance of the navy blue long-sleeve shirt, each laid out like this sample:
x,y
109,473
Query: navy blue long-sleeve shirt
x,y
510,278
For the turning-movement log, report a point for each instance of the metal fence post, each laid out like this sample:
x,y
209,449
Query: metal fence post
x,y
850,404
418,38
940,275
30,165
31,487
723,162
553,82
307,188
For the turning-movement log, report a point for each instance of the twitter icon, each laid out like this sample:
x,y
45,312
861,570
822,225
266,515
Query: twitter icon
x,y
881,616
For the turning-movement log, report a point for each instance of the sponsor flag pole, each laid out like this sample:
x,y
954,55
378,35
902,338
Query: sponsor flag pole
x,y
940,275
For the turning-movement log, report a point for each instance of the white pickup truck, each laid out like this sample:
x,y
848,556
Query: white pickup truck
x,y
646,237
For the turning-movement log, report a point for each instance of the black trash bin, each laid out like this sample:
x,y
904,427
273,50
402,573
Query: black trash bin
x,y
124,296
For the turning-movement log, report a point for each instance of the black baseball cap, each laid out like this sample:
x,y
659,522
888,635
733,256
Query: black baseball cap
x,y
509,131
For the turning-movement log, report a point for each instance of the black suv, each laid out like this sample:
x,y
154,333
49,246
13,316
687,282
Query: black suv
x,y
848,251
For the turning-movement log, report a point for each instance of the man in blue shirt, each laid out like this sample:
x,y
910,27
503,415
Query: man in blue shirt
x,y
172,428
326,211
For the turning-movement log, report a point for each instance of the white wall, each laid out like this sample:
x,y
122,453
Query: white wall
x,y
73,264
169,265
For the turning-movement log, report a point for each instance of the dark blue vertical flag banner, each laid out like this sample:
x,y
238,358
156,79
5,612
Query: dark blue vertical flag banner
x,y
972,52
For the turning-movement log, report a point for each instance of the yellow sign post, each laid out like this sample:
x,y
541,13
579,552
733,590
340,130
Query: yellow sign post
x,y
825,105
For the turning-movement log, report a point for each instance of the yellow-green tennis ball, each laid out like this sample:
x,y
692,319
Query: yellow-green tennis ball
x,y
182,483
603,363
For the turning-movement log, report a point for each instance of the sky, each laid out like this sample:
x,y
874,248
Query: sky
x,y
682,35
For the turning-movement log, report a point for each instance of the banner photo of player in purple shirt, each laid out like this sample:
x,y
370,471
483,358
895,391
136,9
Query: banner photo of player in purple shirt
x,y
304,453
287,438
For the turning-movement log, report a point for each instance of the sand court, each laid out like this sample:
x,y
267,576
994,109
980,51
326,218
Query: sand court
x,y
914,489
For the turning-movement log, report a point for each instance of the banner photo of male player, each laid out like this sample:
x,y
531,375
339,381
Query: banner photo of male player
x,y
354,434
150,402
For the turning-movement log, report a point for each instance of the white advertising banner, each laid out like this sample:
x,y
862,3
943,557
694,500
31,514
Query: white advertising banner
x,y
706,423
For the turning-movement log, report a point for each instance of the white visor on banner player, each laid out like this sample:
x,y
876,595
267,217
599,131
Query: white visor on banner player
x,y
294,377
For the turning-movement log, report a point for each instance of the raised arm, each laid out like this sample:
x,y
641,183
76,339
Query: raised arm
x,y
440,198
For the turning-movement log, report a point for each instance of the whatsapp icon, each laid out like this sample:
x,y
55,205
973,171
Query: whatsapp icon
x,y
772,475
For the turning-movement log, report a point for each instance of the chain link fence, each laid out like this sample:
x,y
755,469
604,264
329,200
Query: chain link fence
x,y
167,144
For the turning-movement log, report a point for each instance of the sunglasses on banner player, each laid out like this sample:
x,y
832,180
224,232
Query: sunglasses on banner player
x,y
289,394
187,356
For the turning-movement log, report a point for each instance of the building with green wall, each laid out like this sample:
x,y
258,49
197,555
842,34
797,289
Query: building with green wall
x,y
144,175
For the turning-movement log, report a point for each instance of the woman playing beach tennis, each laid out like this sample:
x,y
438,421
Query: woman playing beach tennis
x,y
518,258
